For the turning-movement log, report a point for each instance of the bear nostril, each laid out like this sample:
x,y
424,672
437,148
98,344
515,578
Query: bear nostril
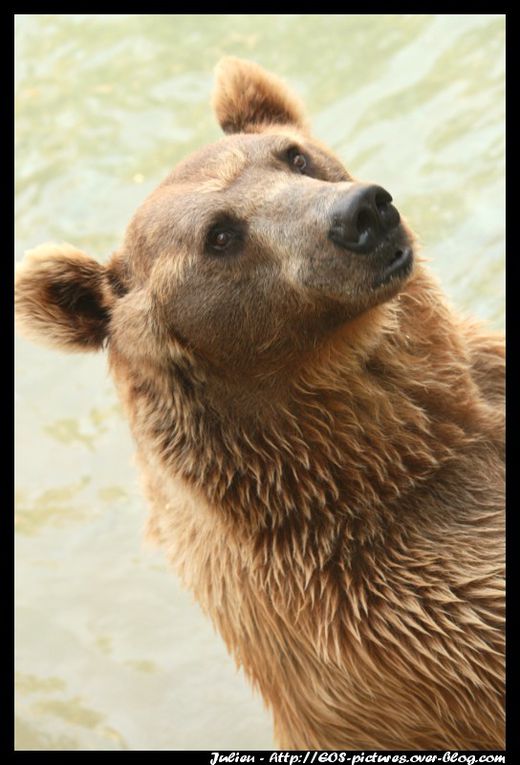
x,y
363,222
387,213
382,200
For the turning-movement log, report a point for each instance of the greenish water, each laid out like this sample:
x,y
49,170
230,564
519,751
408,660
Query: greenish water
x,y
110,652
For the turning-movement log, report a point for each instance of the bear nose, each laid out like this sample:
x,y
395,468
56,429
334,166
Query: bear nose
x,y
362,217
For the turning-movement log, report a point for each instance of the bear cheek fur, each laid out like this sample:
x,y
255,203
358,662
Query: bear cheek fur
x,y
228,311
243,314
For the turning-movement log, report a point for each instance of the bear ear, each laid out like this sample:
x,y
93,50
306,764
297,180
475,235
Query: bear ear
x,y
63,298
247,98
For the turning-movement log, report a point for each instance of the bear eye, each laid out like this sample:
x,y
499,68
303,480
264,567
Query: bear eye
x,y
219,240
297,160
225,236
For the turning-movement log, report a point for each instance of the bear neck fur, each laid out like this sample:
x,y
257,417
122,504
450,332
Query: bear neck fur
x,y
345,437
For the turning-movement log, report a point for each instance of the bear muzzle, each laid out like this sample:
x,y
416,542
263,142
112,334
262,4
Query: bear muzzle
x,y
366,223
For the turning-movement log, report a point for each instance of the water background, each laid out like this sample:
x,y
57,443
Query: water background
x,y
110,652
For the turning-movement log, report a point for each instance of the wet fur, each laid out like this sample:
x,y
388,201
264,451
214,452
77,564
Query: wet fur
x,y
338,511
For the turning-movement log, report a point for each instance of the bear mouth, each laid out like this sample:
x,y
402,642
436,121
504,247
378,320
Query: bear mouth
x,y
399,267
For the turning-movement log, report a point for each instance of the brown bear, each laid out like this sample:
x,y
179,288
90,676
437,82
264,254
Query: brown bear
x,y
320,434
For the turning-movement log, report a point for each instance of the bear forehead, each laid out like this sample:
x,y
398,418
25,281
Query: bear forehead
x,y
219,164
196,187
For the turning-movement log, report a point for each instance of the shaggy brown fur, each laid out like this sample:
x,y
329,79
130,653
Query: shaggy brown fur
x,y
323,457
